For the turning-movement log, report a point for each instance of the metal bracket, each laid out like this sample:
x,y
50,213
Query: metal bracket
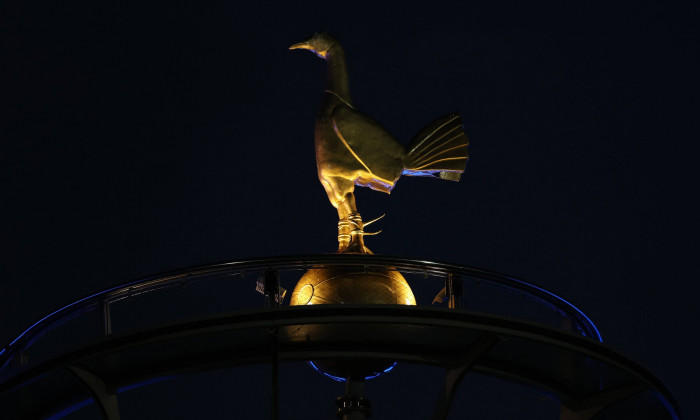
x,y
106,401
453,376
269,285
453,287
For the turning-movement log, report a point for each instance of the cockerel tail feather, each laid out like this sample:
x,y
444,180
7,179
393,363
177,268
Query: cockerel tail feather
x,y
425,160
426,145
439,149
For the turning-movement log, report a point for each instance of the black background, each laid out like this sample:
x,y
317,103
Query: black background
x,y
138,139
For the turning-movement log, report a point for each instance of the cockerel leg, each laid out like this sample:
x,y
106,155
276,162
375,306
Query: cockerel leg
x,y
350,227
344,235
347,206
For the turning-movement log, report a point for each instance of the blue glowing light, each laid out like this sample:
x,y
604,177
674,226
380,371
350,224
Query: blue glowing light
x,y
411,172
73,408
339,379
144,383
335,378
594,329
667,404
381,373
63,309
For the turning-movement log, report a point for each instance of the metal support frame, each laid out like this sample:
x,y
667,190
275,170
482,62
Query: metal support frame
x,y
596,403
271,289
352,405
580,402
454,375
105,400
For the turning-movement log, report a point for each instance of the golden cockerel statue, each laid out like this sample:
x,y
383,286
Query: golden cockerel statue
x,y
353,149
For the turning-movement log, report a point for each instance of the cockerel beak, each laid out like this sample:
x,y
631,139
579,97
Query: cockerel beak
x,y
301,46
307,46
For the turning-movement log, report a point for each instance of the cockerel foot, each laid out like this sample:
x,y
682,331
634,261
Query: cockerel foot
x,y
351,235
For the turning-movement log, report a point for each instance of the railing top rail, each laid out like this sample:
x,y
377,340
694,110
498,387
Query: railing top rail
x,y
299,262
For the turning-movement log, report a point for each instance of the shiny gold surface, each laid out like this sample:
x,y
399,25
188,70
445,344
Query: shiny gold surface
x,y
353,149
344,285
340,285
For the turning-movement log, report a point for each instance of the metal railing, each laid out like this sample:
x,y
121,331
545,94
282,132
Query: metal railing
x,y
484,291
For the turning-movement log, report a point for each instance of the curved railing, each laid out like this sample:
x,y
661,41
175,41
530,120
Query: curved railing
x,y
508,328
428,274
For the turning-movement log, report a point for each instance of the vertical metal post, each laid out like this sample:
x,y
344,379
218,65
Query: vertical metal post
x,y
275,378
352,405
567,369
23,358
105,311
271,289
453,287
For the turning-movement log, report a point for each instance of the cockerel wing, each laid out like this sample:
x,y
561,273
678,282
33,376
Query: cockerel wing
x,y
379,153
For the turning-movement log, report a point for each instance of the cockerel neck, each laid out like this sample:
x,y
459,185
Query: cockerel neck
x,y
337,81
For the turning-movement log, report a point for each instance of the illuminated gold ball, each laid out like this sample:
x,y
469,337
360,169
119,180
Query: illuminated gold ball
x,y
343,285
351,285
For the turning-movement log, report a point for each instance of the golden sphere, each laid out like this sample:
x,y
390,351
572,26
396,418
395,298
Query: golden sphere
x,y
352,285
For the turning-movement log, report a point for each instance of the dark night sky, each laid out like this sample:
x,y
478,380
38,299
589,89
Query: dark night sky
x,y
139,140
